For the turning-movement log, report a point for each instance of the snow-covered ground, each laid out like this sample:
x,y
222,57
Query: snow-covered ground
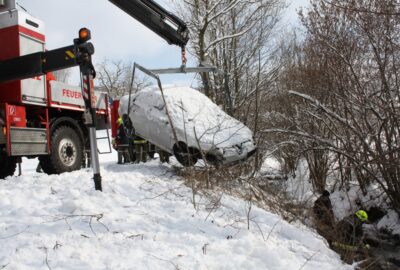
x,y
144,219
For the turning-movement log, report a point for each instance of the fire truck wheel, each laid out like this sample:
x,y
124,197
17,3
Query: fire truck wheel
x,y
7,165
66,152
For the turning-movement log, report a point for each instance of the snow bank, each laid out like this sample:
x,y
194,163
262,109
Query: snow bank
x,y
144,219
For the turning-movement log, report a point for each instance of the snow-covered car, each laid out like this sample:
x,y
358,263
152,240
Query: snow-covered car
x,y
199,128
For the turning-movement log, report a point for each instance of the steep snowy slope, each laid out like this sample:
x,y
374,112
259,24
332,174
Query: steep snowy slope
x,y
144,219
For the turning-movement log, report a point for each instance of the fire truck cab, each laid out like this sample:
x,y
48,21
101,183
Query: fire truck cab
x,y
39,117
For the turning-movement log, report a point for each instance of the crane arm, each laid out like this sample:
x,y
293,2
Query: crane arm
x,y
156,18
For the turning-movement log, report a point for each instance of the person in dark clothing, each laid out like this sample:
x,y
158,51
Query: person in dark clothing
x,y
164,156
152,150
141,149
350,228
349,242
39,168
323,216
122,143
323,208
130,132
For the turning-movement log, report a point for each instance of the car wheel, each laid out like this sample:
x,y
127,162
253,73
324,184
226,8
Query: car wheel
x,y
185,155
7,165
66,154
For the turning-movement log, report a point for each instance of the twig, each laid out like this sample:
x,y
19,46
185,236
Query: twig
x,y
216,205
273,227
4,266
164,260
309,259
57,246
91,228
98,217
136,236
10,236
259,228
47,260
152,198
372,263
248,212
204,248
47,257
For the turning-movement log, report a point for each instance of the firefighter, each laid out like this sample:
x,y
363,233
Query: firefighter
x,y
350,227
323,215
164,156
152,150
349,237
141,149
39,168
122,143
130,131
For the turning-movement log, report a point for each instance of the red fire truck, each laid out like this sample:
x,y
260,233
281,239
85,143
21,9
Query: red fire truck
x,y
40,117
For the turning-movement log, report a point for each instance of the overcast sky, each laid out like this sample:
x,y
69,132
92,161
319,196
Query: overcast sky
x,y
115,34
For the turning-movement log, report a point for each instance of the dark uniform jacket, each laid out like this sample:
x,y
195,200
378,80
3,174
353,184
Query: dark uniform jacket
x,y
122,136
323,210
350,230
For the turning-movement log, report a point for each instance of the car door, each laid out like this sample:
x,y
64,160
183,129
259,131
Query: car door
x,y
138,116
160,131
150,119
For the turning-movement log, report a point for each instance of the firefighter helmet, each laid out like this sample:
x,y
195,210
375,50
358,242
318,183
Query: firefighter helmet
x,y
362,215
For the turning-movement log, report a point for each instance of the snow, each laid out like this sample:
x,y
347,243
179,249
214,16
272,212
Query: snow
x,y
390,222
144,219
297,186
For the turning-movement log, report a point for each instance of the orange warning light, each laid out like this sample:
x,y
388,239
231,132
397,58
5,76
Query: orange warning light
x,y
84,34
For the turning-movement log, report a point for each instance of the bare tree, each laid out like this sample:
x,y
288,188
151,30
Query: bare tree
x,y
116,78
234,36
238,38
62,75
344,84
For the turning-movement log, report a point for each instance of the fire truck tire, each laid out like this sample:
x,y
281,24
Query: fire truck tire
x,y
66,154
7,165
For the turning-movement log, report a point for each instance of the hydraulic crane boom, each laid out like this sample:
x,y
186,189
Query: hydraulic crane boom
x,y
156,18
